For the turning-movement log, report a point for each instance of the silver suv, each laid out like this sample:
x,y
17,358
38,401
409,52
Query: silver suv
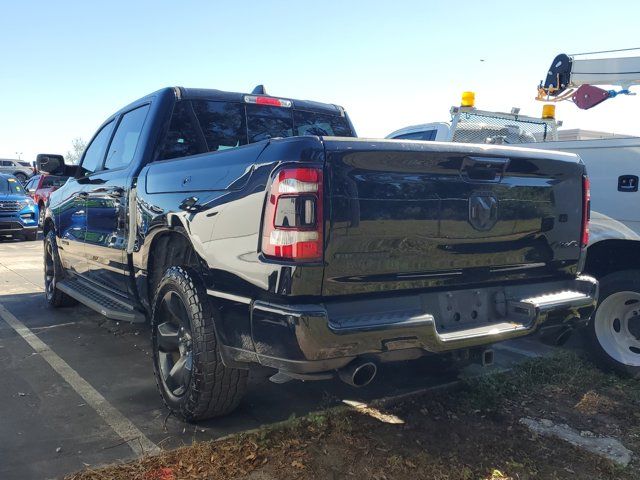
x,y
20,169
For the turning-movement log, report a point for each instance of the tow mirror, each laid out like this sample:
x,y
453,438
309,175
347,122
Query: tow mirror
x,y
54,165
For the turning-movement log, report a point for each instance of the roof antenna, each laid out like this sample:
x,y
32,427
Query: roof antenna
x,y
259,90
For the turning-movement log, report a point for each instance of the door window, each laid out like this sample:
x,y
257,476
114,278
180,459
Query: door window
x,y
125,141
53,181
94,153
31,184
426,135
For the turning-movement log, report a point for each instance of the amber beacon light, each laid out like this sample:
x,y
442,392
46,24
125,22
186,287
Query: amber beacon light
x,y
468,99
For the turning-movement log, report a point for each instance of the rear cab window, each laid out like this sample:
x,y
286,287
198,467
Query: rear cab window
x,y
200,126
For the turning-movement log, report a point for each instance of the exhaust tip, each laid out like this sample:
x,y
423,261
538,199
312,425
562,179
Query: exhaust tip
x,y
358,373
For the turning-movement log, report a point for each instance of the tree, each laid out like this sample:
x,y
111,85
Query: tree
x,y
77,149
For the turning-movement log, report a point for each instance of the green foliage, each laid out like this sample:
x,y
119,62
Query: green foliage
x,y
78,145
566,371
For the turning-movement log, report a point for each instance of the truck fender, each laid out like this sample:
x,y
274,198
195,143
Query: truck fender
x,y
613,247
603,227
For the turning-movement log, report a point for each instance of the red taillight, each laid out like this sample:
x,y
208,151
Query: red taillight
x,y
586,209
293,218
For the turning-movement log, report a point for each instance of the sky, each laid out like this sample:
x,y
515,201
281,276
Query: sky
x,y
65,66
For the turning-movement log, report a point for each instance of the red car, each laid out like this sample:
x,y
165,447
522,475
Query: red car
x,y
40,186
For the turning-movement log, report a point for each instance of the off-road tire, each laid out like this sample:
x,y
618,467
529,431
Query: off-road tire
x,y
55,298
625,281
214,389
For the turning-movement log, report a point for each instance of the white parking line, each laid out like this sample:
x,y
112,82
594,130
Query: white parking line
x,y
137,440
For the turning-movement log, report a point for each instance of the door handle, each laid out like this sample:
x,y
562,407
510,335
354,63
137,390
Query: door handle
x,y
487,170
628,183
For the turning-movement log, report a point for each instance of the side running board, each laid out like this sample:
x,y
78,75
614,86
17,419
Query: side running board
x,y
99,300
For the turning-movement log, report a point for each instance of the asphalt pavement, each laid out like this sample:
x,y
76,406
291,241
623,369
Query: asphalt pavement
x,y
78,389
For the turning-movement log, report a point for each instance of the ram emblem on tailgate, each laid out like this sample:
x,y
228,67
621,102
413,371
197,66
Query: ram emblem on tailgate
x,y
483,211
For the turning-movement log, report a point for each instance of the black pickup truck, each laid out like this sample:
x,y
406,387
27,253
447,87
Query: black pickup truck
x,y
249,229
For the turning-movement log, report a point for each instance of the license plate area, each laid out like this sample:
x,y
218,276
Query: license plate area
x,y
463,309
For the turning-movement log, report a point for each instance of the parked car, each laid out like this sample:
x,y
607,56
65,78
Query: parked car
x,y
250,229
40,186
18,212
20,169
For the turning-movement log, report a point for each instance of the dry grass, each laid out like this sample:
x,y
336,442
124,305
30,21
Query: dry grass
x,y
470,433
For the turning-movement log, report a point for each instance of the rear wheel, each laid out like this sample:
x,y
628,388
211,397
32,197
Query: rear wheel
x,y
53,273
614,329
193,381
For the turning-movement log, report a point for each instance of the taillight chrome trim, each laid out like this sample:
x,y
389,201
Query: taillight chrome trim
x,y
296,244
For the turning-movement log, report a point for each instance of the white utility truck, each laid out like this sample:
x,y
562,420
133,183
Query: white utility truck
x,y
613,166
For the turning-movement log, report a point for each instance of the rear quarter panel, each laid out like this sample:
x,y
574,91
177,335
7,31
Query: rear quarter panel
x,y
230,187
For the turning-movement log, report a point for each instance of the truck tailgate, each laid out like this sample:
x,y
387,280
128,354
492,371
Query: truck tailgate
x,y
406,214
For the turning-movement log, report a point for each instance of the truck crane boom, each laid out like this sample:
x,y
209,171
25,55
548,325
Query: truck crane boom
x,y
571,77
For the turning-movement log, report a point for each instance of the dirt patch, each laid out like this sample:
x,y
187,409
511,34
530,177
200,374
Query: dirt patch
x,y
469,433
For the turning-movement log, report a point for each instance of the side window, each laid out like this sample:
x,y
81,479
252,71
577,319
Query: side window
x,y
6,163
53,181
222,124
31,184
426,135
94,154
183,137
125,141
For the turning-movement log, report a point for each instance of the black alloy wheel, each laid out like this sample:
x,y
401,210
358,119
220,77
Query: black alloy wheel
x,y
193,380
52,274
174,344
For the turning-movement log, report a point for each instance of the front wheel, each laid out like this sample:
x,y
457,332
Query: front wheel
x,y
614,329
53,273
22,178
193,381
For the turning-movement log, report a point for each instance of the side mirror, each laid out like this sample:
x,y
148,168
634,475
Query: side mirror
x,y
54,165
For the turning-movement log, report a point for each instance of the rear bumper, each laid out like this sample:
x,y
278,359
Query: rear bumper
x,y
315,338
